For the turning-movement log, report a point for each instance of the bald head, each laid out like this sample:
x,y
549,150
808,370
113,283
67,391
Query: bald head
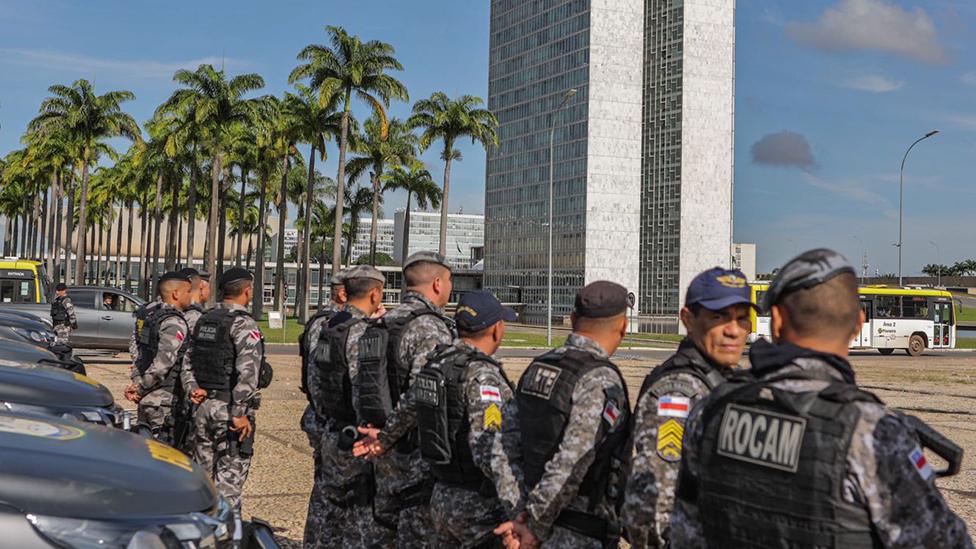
x,y
175,293
828,311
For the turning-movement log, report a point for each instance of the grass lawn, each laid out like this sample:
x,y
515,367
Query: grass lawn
x,y
967,314
966,343
292,330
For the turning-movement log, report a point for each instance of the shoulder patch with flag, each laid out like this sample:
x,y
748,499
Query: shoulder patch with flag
x,y
611,413
921,465
180,335
673,406
255,335
490,393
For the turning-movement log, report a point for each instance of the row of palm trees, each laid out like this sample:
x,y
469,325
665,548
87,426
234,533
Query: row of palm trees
x,y
68,180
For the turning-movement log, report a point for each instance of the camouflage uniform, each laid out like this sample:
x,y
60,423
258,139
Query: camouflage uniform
x,y
212,448
398,472
464,517
903,504
668,394
134,343
192,314
320,511
558,489
155,404
62,331
339,523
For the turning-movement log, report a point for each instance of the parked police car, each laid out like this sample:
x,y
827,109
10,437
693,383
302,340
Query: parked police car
x,y
51,391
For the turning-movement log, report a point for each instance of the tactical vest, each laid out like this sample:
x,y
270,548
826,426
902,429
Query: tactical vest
x,y
323,316
442,415
384,376
59,313
682,363
214,352
773,465
147,341
333,395
544,398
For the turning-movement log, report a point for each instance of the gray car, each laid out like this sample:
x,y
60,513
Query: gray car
x,y
104,317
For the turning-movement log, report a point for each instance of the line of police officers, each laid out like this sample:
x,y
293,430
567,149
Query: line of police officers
x,y
196,373
790,453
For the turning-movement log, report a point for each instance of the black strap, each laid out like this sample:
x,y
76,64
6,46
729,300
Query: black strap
x,y
588,525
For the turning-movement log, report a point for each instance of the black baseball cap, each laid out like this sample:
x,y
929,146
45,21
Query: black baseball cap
x,y
479,310
190,272
602,299
233,275
807,270
174,275
718,288
61,286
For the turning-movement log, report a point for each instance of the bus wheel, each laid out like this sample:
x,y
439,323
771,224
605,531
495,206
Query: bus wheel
x,y
886,352
916,345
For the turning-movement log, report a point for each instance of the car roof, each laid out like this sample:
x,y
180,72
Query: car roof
x,y
41,385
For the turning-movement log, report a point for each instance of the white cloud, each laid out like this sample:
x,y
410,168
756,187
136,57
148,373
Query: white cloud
x,y
852,191
875,83
88,65
873,25
963,121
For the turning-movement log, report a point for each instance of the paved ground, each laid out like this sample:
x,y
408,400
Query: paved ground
x,y
940,388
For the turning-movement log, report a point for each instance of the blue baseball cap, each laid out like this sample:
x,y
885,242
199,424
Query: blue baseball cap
x,y
479,310
716,289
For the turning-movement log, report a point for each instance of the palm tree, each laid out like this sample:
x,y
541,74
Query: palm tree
x,y
217,103
417,181
446,119
315,121
79,112
322,232
356,203
398,146
347,67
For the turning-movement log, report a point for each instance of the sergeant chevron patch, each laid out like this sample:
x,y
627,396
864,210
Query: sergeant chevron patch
x,y
669,440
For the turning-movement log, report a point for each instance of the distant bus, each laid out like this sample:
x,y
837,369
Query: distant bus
x,y
23,281
897,318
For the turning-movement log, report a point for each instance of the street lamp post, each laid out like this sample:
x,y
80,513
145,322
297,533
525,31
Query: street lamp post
x,y
862,253
552,163
938,262
901,199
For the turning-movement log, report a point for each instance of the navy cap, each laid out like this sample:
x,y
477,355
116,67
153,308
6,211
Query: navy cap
x,y
233,275
602,299
716,289
479,310
174,275
190,272
806,270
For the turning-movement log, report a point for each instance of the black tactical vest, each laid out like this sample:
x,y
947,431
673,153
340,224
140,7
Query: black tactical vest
x,y
442,415
544,398
333,395
684,362
323,316
214,352
147,341
384,377
773,465
59,313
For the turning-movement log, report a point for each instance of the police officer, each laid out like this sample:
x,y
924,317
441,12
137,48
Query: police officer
x,y
478,478
221,375
408,333
199,295
160,339
795,454
345,483
716,316
63,315
573,408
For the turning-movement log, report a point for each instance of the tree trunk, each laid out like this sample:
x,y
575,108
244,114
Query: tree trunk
x,y
307,238
179,243
108,245
280,285
70,217
118,251
7,234
406,229
16,237
257,308
250,251
144,237
128,253
58,211
299,254
171,235
101,249
222,222
90,249
318,305
377,170
44,241
240,218
211,263
191,207
448,149
340,187
157,227
83,214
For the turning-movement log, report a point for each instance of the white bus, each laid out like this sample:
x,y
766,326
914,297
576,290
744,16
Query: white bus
x,y
897,318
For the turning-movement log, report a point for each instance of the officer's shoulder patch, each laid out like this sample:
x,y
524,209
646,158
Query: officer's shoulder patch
x,y
611,414
761,437
921,465
493,418
542,381
490,393
673,406
669,436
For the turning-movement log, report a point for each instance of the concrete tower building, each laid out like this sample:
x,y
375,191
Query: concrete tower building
x,y
643,152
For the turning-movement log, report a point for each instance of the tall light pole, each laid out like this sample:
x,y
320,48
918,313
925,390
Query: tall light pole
x,y
862,252
938,261
901,199
552,163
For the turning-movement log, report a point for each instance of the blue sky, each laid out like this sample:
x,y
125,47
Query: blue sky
x,y
829,93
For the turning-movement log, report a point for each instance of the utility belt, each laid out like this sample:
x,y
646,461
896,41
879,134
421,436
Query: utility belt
x,y
591,526
221,395
358,492
484,487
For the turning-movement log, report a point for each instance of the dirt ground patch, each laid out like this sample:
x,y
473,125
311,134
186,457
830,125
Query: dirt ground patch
x,y
939,389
